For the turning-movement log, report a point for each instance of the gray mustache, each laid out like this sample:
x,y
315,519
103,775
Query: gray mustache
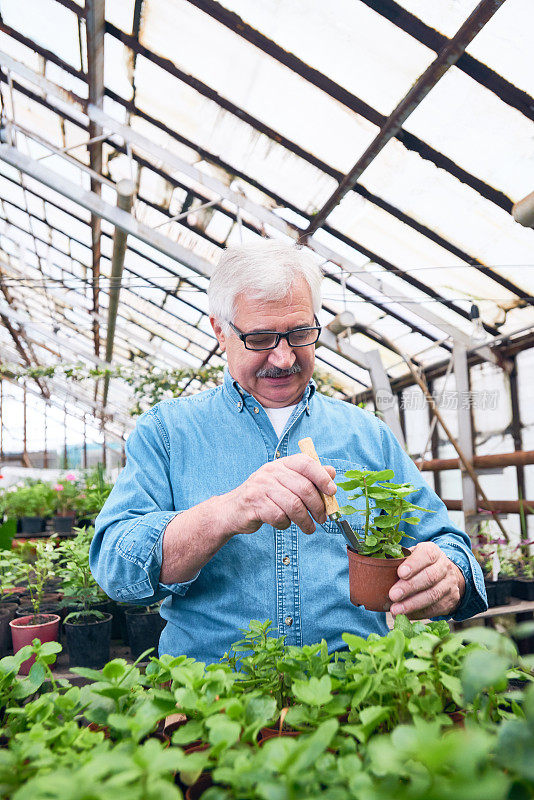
x,y
277,372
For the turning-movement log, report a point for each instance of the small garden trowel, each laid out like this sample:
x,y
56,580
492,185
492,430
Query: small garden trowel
x,y
331,505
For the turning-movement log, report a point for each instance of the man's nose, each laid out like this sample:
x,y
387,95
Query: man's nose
x,y
283,355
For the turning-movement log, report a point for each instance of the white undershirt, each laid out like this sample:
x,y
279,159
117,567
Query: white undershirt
x,y
279,417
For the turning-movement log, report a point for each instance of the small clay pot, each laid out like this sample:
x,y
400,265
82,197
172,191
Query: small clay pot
x,y
25,629
371,579
273,733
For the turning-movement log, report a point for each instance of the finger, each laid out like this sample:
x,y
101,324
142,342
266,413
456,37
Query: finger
x,y
292,506
306,491
422,556
273,515
437,597
424,579
313,470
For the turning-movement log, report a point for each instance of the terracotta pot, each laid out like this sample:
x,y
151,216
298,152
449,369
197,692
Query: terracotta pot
x,y
272,733
371,579
24,632
458,717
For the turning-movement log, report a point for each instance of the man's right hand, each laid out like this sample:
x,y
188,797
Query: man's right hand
x,y
279,493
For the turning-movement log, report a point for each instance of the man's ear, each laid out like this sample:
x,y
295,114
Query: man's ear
x,y
217,329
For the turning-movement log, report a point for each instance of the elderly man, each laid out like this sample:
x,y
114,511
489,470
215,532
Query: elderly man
x,y
218,512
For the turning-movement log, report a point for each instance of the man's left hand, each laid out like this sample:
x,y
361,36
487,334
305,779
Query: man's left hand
x,y
430,584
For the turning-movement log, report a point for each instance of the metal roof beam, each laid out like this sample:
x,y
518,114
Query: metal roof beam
x,y
95,21
359,189
172,160
425,83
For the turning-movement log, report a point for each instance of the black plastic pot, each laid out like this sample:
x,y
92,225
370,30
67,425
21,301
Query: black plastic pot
x,y
88,642
523,589
31,526
63,523
47,608
499,592
144,629
85,522
7,613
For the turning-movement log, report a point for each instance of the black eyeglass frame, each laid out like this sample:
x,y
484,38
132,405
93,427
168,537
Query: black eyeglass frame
x,y
244,336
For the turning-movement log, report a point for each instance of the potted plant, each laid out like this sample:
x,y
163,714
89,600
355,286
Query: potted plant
x,y
523,585
31,504
66,498
144,625
88,629
44,627
498,567
93,496
373,569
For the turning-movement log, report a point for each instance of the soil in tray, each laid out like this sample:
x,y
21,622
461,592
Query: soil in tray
x,y
523,589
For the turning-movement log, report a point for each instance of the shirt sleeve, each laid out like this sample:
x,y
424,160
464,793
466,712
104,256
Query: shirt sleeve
x,y
437,527
127,549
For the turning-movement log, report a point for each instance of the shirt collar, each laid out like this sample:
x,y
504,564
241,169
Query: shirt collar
x,y
237,395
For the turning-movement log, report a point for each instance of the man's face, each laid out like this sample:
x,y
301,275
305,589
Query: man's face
x,y
264,374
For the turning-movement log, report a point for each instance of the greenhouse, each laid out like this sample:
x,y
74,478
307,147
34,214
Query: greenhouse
x,y
266,399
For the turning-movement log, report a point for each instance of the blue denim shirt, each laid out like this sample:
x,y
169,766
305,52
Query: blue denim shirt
x,y
186,450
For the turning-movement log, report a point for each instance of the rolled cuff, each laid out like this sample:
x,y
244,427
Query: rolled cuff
x,y
142,545
474,600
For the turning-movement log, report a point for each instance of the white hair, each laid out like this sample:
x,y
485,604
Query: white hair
x,y
264,270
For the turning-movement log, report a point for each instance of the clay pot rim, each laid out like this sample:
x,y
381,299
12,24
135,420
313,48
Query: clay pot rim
x,y
379,562
22,622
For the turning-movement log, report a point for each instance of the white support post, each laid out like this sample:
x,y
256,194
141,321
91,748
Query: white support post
x,y
465,436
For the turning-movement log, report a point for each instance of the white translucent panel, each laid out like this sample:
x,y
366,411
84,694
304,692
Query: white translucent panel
x,y
258,84
67,81
116,78
48,23
19,218
156,189
416,421
447,16
81,254
488,138
64,221
505,43
219,226
35,205
379,67
11,191
490,398
340,363
455,211
525,386
203,121
20,52
416,255
121,13
115,110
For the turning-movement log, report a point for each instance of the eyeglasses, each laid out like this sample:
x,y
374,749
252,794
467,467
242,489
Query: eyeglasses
x,y
268,340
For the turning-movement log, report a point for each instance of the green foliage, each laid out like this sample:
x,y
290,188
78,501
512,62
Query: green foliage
x,y
32,499
80,588
382,532
373,718
41,570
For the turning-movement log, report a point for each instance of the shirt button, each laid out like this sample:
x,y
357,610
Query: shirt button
x,y
286,560
240,406
277,454
289,621
256,410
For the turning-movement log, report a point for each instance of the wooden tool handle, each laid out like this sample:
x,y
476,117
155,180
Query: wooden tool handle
x,y
308,448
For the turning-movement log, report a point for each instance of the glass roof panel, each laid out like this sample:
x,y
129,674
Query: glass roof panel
x,y
379,70
257,83
488,138
455,211
48,23
446,16
505,43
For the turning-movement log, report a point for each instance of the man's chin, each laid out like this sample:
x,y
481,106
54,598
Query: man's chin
x,y
284,391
